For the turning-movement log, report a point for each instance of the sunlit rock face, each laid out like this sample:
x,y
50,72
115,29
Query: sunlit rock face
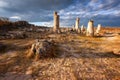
x,y
90,28
98,29
77,23
82,29
42,49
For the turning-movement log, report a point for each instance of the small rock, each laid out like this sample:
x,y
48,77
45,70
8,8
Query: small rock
x,y
29,72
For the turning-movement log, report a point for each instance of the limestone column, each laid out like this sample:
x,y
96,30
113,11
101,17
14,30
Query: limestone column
x,y
82,28
90,28
98,29
56,22
77,23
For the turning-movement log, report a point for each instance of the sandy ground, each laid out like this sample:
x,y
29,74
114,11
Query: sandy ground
x,y
78,58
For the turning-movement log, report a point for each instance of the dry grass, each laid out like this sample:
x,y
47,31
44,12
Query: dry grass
x,y
78,58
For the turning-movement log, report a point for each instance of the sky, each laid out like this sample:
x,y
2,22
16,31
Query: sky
x,y
40,12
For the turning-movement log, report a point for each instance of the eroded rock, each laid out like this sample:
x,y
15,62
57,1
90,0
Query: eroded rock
x,y
43,48
90,28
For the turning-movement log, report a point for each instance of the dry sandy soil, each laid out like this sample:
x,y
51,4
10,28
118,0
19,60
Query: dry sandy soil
x,y
77,58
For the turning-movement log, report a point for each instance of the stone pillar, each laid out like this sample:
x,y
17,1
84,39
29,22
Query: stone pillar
x,y
90,28
98,29
77,23
73,27
56,22
82,28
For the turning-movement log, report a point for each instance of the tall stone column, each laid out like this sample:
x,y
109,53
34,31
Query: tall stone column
x,y
56,22
98,28
77,23
90,28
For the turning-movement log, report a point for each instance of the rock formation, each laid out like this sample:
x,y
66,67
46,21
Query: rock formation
x,y
90,28
42,49
98,29
82,29
56,22
77,24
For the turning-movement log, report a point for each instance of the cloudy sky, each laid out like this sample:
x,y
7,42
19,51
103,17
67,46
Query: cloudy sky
x,y
105,12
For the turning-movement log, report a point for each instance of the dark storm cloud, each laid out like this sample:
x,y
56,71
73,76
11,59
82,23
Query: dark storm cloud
x,y
35,5
32,10
106,12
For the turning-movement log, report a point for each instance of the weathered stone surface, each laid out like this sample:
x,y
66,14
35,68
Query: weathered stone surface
x,y
77,24
56,22
41,49
98,29
82,29
90,28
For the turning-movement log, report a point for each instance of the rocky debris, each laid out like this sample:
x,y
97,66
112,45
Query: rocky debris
x,y
18,35
13,35
42,49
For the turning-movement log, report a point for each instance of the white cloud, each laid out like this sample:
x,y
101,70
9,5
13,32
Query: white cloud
x,y
49,24
15,17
